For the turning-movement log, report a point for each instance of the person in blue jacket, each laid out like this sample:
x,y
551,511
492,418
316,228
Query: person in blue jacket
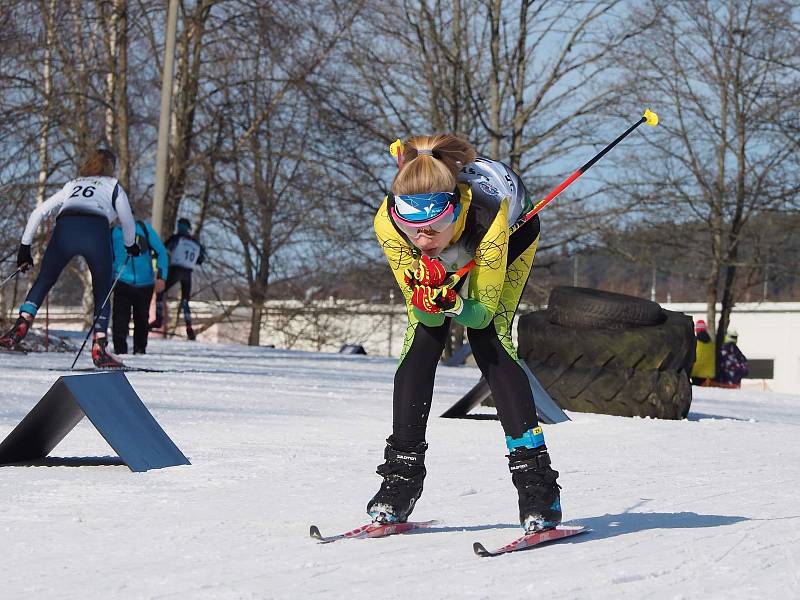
x,y
135,287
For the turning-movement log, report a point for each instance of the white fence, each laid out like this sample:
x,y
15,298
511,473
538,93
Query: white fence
x,y
769,332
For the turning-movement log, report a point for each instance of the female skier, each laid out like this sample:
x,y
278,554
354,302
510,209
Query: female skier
x,y
445,208
86,205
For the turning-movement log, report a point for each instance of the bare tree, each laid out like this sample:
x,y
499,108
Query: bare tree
x,y
725,75
265,182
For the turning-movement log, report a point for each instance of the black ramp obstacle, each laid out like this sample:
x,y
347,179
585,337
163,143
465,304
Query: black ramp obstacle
x,y
546,409
114,409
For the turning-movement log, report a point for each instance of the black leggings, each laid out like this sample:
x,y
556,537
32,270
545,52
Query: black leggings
x,y
76,235
511,391
130,299
184,277
413,382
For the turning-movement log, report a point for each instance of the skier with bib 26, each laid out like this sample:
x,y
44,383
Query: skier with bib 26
x,y
86,205
447,207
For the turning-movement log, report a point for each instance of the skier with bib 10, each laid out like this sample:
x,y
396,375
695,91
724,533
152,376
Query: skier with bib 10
x,y
447,207
185,252
86,205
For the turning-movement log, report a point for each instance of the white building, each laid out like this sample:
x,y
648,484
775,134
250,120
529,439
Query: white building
x,y
769,336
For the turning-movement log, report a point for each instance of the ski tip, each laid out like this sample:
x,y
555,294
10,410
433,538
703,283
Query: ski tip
x,y
479,549
314,532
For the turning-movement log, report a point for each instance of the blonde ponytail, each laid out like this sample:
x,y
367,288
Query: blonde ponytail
x,y
431,163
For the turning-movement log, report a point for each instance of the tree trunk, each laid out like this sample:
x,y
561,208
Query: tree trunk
x,y
519,120
48,13
81,85
496,102
111,72
187,81
257,311
121,99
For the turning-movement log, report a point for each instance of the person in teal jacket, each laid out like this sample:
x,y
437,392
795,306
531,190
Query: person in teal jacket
x,y
136,284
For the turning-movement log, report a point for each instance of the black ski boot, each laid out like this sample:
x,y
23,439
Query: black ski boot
x,y
14,336
102,358
403,474
190,334
539,499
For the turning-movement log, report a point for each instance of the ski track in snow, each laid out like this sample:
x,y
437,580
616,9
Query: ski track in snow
x,y
701,508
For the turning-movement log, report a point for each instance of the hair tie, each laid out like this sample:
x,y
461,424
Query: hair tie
x,y
425,152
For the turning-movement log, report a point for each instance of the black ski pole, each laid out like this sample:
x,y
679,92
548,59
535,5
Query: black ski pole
x,y
648,117
10,277
99,312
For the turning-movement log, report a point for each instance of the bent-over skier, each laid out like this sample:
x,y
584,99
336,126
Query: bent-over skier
x,y
446,207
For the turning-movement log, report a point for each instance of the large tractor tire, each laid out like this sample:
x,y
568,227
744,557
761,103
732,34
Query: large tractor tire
x,y
612,369
587,308
621,392
668,346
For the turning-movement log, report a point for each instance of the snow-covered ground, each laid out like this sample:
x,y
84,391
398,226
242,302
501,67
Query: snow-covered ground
x,y
702,508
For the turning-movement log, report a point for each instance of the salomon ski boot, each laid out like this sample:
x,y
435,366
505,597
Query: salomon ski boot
x,y
14,336
102,358
403,474
539,499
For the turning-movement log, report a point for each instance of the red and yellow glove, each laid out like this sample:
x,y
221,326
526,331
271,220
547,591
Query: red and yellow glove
x,y
436,299
429,272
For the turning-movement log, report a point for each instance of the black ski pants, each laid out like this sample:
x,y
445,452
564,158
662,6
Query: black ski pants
x,y
184,277
129,300
491,347
77,235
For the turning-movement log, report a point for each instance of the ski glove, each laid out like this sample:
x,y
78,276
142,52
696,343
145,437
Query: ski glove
x,y
429,271
24,258
133,249
437,299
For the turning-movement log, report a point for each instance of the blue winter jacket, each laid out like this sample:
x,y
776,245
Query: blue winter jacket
x,y
139,270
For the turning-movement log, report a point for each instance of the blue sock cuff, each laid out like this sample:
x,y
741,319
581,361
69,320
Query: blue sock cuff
x,y
530,439
29,307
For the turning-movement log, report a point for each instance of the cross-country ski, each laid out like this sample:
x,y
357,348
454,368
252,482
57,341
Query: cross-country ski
x,y
529,540
372,530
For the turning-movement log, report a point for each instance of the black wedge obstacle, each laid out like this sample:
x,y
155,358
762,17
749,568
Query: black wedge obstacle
x,y
112,406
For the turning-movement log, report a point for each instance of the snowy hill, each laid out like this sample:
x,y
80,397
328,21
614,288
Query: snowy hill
x,y
702,508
